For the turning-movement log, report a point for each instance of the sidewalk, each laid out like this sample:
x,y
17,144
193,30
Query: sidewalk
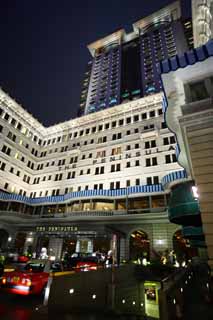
x,y
196,307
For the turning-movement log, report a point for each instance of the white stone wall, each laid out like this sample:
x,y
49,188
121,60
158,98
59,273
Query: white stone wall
x,y
76,147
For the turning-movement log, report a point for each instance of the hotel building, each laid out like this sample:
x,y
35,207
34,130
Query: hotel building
x,y
102,180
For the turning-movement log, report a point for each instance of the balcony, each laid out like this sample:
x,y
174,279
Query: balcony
x,y
183,207
92,215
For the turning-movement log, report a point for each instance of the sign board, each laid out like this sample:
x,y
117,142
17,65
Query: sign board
x,y
56,229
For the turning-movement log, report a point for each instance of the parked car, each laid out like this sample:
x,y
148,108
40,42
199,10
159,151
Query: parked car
x,y
32,279
23,259
70,261
87,264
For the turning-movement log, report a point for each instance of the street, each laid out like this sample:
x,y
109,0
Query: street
x,y
14,307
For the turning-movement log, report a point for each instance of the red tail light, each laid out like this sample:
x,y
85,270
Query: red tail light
x,y
93,268
26,282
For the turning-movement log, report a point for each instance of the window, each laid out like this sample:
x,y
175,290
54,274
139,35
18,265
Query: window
x,y
137,163
136,118
174,158
6,150
102,139
116,136
151,162
147,145
152,113
121,122
11,136
2,167
117,185
99,170
6,116
169,158
128,132
137,146
101,154
128,120
172,139
166,141
144,116
12,170
156,180
116,151
149,180
198,91
163,125
154,161
71,175
137,182
128,183
150,144
148,162
128,164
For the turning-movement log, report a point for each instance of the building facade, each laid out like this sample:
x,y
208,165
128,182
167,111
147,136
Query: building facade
x,y
100,175
124,66
102,180
190,114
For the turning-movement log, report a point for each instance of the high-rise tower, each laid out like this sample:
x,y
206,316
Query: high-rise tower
x,y
124,65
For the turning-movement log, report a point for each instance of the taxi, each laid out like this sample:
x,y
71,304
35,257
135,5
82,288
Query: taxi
x,y
87,264
32,279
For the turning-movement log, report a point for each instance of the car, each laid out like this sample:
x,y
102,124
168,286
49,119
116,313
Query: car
x,y
32,279
23,259
87,264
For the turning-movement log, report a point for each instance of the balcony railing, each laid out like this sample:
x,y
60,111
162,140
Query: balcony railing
x,y
87,213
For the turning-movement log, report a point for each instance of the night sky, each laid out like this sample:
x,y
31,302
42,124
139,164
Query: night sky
x,y
43,52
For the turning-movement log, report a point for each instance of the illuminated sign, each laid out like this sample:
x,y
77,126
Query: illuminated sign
x,y
56,229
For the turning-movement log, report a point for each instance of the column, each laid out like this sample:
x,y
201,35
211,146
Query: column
x,y
124,255
30,243
55,247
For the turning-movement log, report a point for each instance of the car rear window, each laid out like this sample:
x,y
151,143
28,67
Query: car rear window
x,y
89,259
35,267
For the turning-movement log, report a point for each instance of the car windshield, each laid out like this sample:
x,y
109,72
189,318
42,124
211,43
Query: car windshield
x,y
35,267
